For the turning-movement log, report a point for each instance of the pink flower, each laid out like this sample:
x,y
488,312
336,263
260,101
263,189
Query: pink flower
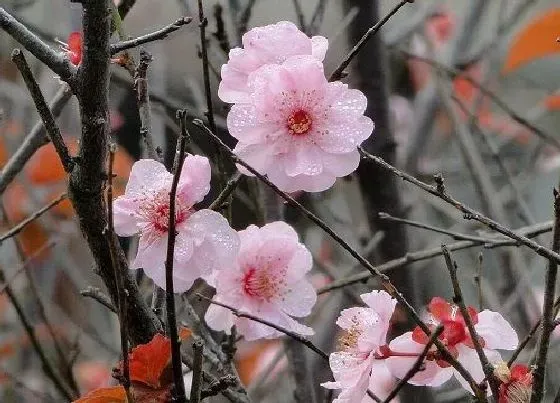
x,y
204,243
271,44
516,383
268,281
365,331
297,128
74,48
494,332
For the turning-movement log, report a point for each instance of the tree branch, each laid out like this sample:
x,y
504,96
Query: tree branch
x,y
53,132
56,61
160,34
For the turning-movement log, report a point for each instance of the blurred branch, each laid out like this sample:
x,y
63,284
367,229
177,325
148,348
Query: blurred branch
x,y
48,367
244,18
454,73
160,34
53,132
412,257
56,61
33,141
125,6
337,74
19,227
198,349
299,15
317,19
548,317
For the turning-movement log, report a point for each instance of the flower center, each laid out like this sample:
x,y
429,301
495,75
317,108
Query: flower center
x,y
453,332
261,284
348,341
156,212
299,123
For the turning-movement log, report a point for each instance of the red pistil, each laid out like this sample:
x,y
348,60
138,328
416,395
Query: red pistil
x,y
299,123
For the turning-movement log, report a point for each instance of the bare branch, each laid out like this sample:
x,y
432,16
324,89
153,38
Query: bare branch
x,y
198,349
56,61
548,317
160,34
179,386
53,132
19,227
458,299
337,74
143,100
412,257
33,141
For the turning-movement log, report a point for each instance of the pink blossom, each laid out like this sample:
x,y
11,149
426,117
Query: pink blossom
x,y
271,44
267,280
297,128
365,331
204,243
494,332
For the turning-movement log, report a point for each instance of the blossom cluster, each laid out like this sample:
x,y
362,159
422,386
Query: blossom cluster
x,y
302,132
365,354
290,122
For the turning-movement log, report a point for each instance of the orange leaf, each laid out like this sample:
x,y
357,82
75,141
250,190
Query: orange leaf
x,y
552,102
148,361
536,40
116,394
184,333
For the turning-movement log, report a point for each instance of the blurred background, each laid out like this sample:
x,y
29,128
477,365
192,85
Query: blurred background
x,y
429,118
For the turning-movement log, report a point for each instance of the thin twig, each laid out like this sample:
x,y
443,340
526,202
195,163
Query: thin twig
x,y
478,281
458,299
160,34
468,212
548,310
198,353
221,32
33,141
455,235
96,294
179,386
417,365
339,71
297,337
385,281
21,226
125,6
143,101
117,269
53,132
48,367
228,190
412,257
56,61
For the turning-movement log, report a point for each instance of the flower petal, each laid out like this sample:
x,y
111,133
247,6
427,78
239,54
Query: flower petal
x,y
341,164
124,216
496,331
194,182
298,299
319,45
431,375
468,357
147,176
219,318
151,253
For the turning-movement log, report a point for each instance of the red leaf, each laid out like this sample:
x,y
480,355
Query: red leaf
x,y
115,394
148,361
